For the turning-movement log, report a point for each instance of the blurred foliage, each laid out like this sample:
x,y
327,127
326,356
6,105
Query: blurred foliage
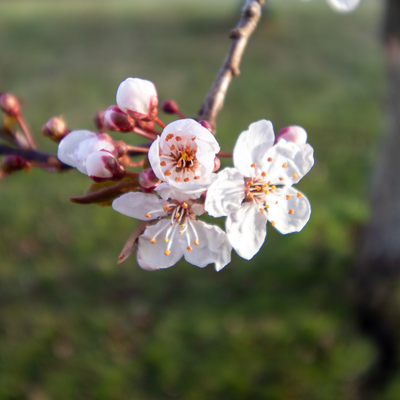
x,y
73,324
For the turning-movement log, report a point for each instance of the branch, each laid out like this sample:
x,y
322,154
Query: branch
x,y
240,35
34,155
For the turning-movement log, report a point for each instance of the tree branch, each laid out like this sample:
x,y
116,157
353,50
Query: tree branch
x,y
240,35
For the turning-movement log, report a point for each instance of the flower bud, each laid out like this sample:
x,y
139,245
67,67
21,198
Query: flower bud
x,y
217,164
206,124
116,120
292,133
98,120
55,129
120,148
147,179
102,166
169,107
11,163
9,104
138,98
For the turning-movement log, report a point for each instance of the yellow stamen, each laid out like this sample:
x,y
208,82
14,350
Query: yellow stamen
x,y
270,159
262,210
169,136
273,187
163,163
196,242
264,174
196,177
291,211
295,176
167,172
184,205
177,215
189,248
178,179
284,165
147,215
273,223
258,188
172,147
250,195
288,197
178,138
186,180
166,240
299,195
181,232
152,241
166,208
253,165
267,206
281,179
167,252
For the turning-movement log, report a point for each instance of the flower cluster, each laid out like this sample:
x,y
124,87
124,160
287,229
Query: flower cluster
x,y
182,185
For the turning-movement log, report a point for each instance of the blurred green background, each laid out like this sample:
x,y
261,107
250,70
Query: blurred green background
x,y
73,324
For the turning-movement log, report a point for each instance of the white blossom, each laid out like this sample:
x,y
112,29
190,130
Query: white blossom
x,y
137,97
177,233
183,156
89,153
259,188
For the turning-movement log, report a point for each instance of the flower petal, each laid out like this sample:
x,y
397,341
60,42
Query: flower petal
x,y
246,230
226,194
213,245
258,138
344,5
154,159
168,192
153,254
138,205
289,209
95,165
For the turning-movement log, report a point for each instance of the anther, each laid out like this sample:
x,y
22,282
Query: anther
x,y
172,147
299,195
147,215
258,188
167,252
177,215
262,210
183,226
281,179
272,191
253,165
250,195
291,211
178,179
295,176
276,202
181,232
284,165
189,248
159,153
166,240
196,242
152,241
273,223
169,136
270,159
163,163
267,206
288,196
194,138
196,177
167,172
273,187
184,205
166,208
264,174
178,138
186,180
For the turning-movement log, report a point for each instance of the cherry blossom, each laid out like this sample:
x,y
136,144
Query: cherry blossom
x,y
90,153
138,98
176,232
184,155
259,188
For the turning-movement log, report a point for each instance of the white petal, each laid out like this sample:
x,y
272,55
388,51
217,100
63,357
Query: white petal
x,y
226,194
293,133
258,138
213,245
246,230
69,145
154,159
292,211
288,163
344,5
153,254
142,264
95,165
167,192
138,205
135,94
195,188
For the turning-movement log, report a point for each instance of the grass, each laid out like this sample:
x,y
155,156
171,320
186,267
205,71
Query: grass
x,y
73,324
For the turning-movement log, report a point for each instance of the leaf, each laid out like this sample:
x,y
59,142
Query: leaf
x,y
106,195
131,244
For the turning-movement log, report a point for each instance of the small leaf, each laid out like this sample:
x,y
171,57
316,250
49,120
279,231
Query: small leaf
x,y
131,244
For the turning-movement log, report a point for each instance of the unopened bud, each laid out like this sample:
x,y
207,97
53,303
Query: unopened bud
x,y
116,120
9,104
147,179
206,124
103,166
120,148
55,129
294,133
217,164
11,163
98,120
169,107
148,125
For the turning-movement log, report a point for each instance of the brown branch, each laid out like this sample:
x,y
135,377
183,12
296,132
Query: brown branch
x,y
34,155
240,35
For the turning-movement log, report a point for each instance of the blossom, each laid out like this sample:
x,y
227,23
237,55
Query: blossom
x,y
183,156
90,153
292,133
344,6
259,188
138,98
176,233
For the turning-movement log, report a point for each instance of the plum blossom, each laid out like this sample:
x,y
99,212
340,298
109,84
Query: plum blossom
x,y
176,232
90,153
259,188
183,156
292,133
138,98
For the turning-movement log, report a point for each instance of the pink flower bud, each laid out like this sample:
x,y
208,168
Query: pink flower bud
x,y
120,148
116,120
147,179
9,104
206,124
292,133
98,120
169,107
102,165
11,163
217,164
138,98
55,129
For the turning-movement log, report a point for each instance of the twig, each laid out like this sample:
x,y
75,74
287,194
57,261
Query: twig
x,y
34,155
26,131
240,35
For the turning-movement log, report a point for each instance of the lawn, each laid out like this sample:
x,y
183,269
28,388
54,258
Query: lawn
x,y
74,324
